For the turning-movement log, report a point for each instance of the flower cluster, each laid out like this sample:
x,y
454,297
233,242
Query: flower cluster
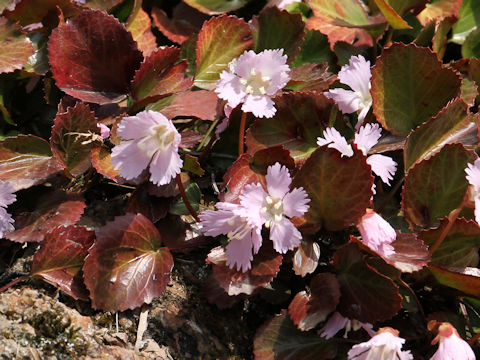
x,y
243,222
7,197
357,75
149,140
252,79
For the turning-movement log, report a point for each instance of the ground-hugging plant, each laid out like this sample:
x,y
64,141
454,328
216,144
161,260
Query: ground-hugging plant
x,y
293,104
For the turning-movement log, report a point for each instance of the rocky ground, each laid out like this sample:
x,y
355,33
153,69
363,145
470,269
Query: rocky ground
x,y
39,322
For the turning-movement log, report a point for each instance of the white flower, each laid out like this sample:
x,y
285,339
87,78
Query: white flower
x,y
252,79
386,345
357,75
451,345
377,233
7,197
149,140
473,177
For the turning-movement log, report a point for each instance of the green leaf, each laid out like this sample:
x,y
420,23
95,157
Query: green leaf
x,y
471,46
348,13
194,195
394,19
469,18
191,164
220,40
16,47
339,188
401,6
314,50
460,246
299,120
436,186
215,7
276,29
409,86
449,126
280,339
468,284
367,295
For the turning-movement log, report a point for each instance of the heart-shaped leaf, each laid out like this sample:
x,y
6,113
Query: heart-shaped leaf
x,y
280,339
221,40
252,169
457,279
339,188
93,58
265,266
450,125
436,186
215,7
367,295
460,246
56,208
276,29
409,86
73,134
60,259
26,160
127,266
299,120
160,74
16,47
308,310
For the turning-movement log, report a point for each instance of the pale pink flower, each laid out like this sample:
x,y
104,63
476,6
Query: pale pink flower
x,y
337,322
385,345
473,177
357,75
275,206
451,345
231,220
104,130
366,137
242,223
377,233
149,140
7,197
252,79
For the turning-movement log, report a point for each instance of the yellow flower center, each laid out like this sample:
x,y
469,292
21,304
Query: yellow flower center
x,y
273,210
256,84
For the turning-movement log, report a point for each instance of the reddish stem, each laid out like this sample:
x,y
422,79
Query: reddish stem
x,y
13,282
474,339
185,198
241,133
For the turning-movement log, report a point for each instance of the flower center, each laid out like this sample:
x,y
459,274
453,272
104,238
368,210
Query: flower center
x,y
365,98
240,231
273,210
158,138
256,84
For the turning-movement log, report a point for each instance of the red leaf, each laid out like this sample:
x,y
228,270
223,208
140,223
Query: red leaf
x,y
73,135
102,162
308,310
60,259
311,77
56,208
34,11
217,295
190,138
265,266
26,160
201,104
339,188
367,295
93,57
299,120
280,339
250,169
127,266
457,278
161,73
185,22
152,207
439,10
16,47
